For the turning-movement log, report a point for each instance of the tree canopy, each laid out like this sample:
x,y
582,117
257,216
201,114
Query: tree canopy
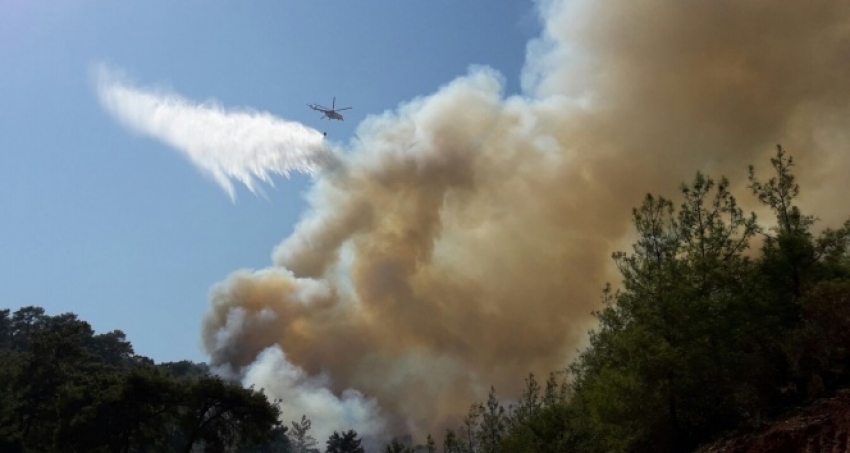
x,y
65,388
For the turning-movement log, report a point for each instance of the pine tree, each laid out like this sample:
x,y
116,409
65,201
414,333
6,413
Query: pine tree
x,y
430,445
493,424
347,442
299,436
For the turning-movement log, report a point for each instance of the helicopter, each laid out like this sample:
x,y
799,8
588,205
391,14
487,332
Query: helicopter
x,y
329,113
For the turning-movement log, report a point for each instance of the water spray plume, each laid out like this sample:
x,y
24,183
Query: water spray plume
x,y
245,146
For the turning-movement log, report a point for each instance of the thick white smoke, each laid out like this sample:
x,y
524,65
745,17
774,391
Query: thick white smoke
x,y
245,146
303,394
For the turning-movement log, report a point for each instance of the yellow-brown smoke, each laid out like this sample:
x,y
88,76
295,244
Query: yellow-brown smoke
x,y
464,240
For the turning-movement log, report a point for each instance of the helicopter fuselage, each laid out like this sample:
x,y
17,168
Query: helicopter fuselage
x,y
329,113
332,115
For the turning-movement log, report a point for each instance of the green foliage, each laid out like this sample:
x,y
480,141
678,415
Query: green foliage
x,y
665,357
789,250
820,346
277,442
65,388
300,438
223,414
347,442
697,340
540,423
470,435
493,424
185,369
451,443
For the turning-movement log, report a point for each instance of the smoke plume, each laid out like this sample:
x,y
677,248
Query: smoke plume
x,y
242,145
464,239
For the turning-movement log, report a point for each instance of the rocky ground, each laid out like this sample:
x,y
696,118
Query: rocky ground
x,y
821,427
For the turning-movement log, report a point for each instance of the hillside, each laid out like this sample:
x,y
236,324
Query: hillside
x,y
823,426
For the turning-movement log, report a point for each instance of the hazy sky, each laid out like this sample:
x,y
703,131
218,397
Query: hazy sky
x,y
126,232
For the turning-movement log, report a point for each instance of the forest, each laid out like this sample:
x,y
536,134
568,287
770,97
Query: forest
x,y
721,321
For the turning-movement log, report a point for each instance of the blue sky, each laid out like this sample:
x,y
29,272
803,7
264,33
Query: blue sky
x,y
126,232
